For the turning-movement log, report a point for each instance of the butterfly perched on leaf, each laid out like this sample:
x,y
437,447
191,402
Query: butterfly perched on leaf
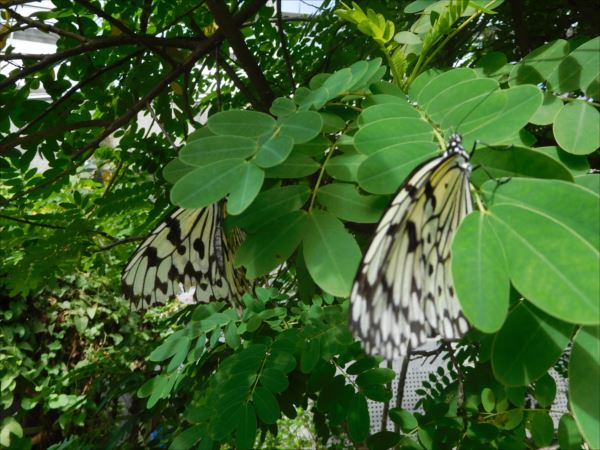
x,y
403,292
187,253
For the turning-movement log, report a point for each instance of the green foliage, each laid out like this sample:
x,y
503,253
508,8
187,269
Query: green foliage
x,y
305,183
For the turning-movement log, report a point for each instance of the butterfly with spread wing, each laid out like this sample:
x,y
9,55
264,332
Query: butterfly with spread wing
x,y
186,252
403,292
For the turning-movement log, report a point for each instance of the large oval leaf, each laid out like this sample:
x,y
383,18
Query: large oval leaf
x,y
480,273
550,232
529,343
272,245
208,150
206,184
347,203
241,123
376,136
246,188
331,253
577,128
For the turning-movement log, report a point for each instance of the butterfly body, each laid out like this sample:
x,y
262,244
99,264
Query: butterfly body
x,y
188,250
403,293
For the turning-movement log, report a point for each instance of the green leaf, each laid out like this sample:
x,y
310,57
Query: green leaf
x,y
295,166
382,440
568,433
310,356
345,167
282,361
586,58
509,420
480,273
301,126
207,184
577,164
246,427
516,162
331,253
550,232
232,337
584,373
358,418
379,112
211,149
405,419
241,123
375,376
245,189
540,65
270,205
488,400
528,344
188,438
276,241
266,405
541,427
282,107
406,37
377,392
169,347
376,136
321,376
175,169
548,110
545,390
384,171
9,427
345,202
274,379
274,150
577,128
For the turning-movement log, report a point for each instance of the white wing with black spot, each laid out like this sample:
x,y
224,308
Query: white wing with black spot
x,y
187,250
403,292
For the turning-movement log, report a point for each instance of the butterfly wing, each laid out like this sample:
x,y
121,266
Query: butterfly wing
x,y
396,300
188,248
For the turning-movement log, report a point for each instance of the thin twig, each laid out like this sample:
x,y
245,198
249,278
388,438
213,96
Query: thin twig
x,y
45,26
120,242
160,125
401,383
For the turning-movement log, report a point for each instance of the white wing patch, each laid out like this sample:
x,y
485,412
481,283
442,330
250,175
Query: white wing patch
x,y
403,292
186,253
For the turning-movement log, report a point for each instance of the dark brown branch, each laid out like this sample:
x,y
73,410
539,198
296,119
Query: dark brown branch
x,y
55,130
283,44
146,10
238,83
74,89
121,26
30,222
46,27
120,242
246,60
202,48
98,44
8,4
23,56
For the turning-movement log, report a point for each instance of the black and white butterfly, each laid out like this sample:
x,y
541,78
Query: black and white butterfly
x,y
187,254
403,292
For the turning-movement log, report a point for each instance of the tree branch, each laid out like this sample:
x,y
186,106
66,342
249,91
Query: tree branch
x,y
121,26
283,45
75,88
55,130
245,58
45,27
98,44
